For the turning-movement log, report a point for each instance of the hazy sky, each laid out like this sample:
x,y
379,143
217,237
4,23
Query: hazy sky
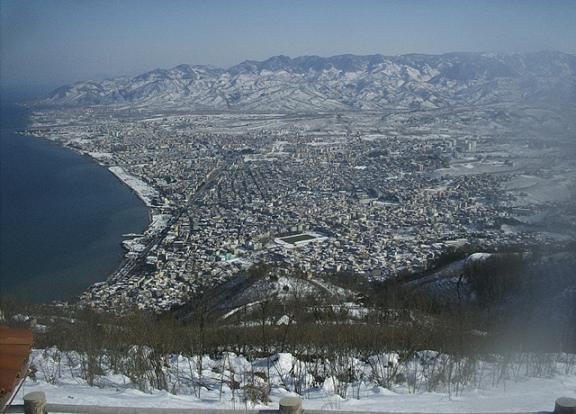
x,y
51,42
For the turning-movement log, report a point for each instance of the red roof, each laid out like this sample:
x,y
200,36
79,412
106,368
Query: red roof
x,y
15,347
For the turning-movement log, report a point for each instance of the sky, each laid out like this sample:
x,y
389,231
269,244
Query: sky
x,y
47,43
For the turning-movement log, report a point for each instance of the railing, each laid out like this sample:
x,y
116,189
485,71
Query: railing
x,y
35,403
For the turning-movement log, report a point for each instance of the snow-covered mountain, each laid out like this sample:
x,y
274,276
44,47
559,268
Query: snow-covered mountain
x,y
345,82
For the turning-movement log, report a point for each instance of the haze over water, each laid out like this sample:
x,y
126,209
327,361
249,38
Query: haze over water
x,y
62,217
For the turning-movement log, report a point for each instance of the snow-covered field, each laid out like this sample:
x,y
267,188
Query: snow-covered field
x,y
226,381
143,190
530,189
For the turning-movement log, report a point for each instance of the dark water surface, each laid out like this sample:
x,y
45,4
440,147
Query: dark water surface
x,y
61,216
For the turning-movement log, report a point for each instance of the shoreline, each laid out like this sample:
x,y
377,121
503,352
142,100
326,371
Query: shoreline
x,y
143,191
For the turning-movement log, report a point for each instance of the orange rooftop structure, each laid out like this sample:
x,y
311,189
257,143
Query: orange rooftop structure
x,y
15,348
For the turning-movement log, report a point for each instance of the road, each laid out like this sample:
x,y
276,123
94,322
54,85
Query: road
x,y
129,264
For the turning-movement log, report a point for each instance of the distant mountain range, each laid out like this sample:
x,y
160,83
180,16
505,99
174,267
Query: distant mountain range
x,y
345,82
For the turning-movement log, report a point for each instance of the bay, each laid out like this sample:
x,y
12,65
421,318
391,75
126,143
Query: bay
x,y
62,216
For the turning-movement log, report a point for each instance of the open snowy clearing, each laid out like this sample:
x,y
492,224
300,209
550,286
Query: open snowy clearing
x,y
529,396
143,190
59,376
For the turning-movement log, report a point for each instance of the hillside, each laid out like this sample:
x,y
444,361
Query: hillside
x,y
339,83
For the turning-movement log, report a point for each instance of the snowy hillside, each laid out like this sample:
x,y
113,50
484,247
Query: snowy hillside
x,y
346,82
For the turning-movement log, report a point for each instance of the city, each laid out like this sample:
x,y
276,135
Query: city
x,y
323,206
372,194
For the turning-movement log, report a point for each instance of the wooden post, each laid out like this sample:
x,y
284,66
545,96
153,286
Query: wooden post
x,y
565,406
290,405
34,402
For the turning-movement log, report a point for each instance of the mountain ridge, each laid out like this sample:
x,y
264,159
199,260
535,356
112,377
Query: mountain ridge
x,y
341,82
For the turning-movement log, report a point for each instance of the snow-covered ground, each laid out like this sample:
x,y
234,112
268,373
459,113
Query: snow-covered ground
x,y
473,168
59,376
159,222
143,190
530,189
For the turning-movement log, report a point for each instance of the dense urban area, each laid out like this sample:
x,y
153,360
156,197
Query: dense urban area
x,y
375,194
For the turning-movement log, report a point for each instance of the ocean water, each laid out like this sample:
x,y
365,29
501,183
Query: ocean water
x,y
62,216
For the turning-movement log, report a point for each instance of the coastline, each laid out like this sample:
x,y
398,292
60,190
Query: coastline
x,y
144,191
